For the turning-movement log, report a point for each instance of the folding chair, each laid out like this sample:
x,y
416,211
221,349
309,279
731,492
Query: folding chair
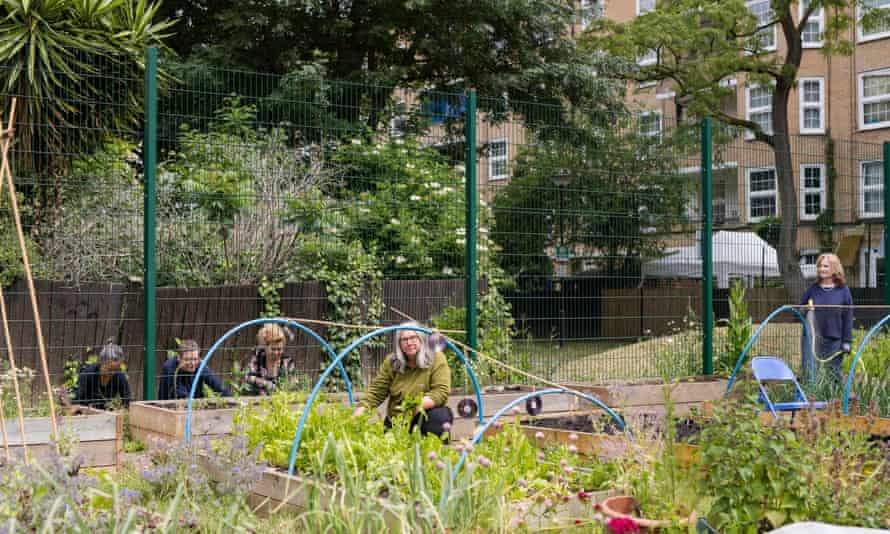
x,y
772,369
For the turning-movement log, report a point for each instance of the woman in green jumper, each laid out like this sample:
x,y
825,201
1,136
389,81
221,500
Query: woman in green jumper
x,y
414,369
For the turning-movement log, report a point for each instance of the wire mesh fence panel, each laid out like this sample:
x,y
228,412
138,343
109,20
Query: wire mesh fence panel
x,y
334,201
581,204
73,162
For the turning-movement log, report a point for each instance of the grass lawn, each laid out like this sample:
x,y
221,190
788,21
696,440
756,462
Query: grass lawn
x,y
594,360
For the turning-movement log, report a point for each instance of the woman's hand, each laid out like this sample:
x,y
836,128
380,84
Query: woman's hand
x,y
426,404
359,410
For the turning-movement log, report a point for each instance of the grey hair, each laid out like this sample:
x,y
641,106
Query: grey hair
x,y
424,355
111,352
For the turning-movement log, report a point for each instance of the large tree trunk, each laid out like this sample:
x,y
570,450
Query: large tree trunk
x,y
788,257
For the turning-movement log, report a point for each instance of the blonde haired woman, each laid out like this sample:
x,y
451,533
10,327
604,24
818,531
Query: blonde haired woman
x,y
268,367
833,326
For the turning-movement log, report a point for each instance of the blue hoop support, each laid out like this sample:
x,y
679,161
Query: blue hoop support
x,y
849,388
324,344
480,432
337,361
756,335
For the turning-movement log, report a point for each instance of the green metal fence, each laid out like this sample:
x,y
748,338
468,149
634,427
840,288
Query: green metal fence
x,y
577,235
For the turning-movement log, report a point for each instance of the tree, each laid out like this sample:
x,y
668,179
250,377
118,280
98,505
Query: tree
x,y
518,48
701,42
55,54
622,196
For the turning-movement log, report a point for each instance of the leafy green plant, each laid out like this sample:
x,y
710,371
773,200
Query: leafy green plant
x,y
738,331
760,476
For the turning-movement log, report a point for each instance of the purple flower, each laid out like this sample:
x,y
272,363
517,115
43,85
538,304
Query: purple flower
x,y
541,455
440,465
522,483
127,493
483,461
573,436
539,435
446,426
573,449
431,456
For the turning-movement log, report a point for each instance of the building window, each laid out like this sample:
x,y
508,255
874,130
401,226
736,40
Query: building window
x,y
874,99
812,34
649,123
761,193
648,58
645,6
498,160
808,259
590,10
812,191
880,30
764,13
812,104
760,108
871,195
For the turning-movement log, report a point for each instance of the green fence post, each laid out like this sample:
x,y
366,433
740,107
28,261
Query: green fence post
x,y
886,221
149,154
707,267
471,200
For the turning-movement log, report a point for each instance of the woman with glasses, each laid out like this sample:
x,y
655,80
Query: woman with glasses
x,y
413,370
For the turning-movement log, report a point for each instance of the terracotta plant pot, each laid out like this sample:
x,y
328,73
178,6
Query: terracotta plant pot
x,y
623,506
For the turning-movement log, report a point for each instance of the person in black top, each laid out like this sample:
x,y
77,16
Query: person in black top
x,y
100,383
177,375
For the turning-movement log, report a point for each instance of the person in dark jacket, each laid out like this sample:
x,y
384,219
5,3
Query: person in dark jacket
x,y
177,375
101,383
832,324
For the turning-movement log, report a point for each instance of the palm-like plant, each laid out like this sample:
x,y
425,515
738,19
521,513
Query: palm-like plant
x,y
75,66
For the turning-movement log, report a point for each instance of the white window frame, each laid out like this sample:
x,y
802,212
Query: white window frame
x,y
492,177
863,189
809,252
818,17
751,195
749,110
872,99
659,122
863,38
649,58
804,190
639,12
771,48
812,105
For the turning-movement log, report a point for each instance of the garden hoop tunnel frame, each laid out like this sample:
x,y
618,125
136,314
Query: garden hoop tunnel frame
x,y
352,346
849,387
274,320
480,432
756,335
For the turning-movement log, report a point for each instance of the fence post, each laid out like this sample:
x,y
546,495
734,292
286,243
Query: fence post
x,y
707,266
471,200
886,222
149,154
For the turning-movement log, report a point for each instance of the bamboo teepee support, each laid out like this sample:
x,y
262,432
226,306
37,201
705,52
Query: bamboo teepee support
x,y
6,172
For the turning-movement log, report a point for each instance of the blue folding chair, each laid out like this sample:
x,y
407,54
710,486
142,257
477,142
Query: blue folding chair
x,y
769,369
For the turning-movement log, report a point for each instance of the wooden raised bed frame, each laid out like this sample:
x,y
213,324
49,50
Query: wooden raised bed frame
x,y
99,434
165,420
648,396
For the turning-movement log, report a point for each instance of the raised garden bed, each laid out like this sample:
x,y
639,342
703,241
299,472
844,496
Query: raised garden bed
x,y
165,420
98,434
649,396
493,399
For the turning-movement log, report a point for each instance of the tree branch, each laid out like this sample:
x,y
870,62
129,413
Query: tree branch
x,y
755,128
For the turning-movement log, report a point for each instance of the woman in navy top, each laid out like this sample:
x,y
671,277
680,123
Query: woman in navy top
x,y
833,326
